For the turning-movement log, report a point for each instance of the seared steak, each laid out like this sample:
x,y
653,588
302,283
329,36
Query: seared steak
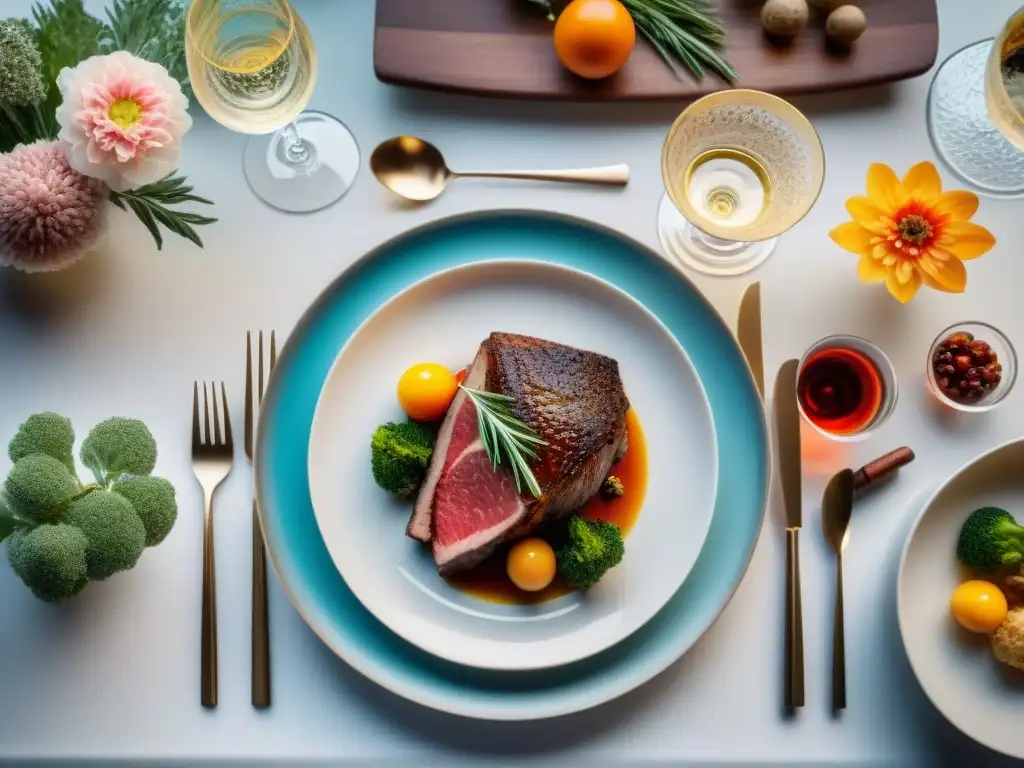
x,y
572,398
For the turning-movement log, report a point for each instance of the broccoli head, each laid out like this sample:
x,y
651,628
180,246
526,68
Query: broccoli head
x,y
153,500
990,539
119,446
593,546
40,488
115,533
399,455
48,433
50,559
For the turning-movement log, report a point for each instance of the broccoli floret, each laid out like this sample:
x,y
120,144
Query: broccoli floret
x,y
40,488
612,488
153,499
592,548
119,446
50,559
48,433
115,533
400,454
990,539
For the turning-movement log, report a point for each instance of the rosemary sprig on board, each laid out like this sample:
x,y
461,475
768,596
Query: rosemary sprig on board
x,y
505,435
686,31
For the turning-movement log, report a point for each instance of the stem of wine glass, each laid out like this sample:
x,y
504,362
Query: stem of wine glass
x,y
297,150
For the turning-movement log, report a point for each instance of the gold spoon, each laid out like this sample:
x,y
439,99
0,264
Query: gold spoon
x,y
415,169
836,508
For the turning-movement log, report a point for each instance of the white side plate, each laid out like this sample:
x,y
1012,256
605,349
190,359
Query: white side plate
x,y
956,669
444,318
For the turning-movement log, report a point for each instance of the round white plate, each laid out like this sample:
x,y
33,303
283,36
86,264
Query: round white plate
x,y
444,318
977,694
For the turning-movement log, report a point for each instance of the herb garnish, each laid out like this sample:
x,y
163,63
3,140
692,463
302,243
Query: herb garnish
x,y
502,431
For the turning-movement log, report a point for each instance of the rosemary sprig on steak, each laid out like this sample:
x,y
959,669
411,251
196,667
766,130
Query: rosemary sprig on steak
x,y
505,435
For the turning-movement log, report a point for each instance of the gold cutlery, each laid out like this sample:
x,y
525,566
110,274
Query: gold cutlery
x,y
836,508
787,425
260,683
212,455
748,332
416,170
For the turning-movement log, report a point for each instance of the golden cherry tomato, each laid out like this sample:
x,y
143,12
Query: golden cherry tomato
x,y
531,564
426,390
979,606
594,38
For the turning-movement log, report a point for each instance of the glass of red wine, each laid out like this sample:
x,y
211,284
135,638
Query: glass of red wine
x,y
846,387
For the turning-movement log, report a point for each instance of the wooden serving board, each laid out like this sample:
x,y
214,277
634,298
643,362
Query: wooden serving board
x,y
503,48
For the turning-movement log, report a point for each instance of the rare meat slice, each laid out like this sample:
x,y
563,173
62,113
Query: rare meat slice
x,y
475,505
419,526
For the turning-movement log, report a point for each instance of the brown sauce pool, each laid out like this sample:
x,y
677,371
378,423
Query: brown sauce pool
x,y
489,581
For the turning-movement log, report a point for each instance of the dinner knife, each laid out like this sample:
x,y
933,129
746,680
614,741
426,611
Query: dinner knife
x,y
748,332
787,429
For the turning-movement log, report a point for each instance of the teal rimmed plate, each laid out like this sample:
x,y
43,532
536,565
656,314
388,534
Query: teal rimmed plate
x,y
290,527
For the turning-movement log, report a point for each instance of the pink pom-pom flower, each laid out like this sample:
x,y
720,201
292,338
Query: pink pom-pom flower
x,y
123,118
50,215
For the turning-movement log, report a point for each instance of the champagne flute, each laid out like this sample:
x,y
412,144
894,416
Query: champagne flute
x,y
975,108
253,65
740,167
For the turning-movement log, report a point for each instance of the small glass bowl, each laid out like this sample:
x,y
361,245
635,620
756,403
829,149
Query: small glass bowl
x,y
1005,354
886,373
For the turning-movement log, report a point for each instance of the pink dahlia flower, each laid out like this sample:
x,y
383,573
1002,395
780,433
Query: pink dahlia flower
x,y
123,118
50,215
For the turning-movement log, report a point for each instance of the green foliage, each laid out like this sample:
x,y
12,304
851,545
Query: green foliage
x,y
118,446
115,532
150,203
48,433
65,35
990,539
39,488
21,66
50,560
399,455
592,548
153,500
153,30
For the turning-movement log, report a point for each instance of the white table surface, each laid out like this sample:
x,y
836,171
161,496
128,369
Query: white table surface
x,y
114,674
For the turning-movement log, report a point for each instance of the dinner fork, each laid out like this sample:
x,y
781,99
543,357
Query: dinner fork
x,y
212,454
260,683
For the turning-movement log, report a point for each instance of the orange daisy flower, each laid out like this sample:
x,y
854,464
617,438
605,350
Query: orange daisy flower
x,y
910,232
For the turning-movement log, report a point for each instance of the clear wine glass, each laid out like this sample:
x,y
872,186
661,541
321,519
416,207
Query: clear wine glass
x,y
253,67
974,112
740,167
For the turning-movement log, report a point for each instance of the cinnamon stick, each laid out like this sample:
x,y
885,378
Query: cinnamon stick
x,y
882,468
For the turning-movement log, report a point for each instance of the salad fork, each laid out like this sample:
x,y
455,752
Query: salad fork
x,y
212,455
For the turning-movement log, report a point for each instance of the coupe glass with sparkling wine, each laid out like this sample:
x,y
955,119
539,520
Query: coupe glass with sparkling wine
x,y
975,111
253,66
740,167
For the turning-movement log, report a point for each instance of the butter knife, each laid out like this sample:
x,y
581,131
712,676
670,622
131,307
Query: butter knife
x,y
787,428
748,333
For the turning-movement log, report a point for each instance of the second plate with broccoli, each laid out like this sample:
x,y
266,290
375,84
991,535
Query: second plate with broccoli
x,y
961,599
